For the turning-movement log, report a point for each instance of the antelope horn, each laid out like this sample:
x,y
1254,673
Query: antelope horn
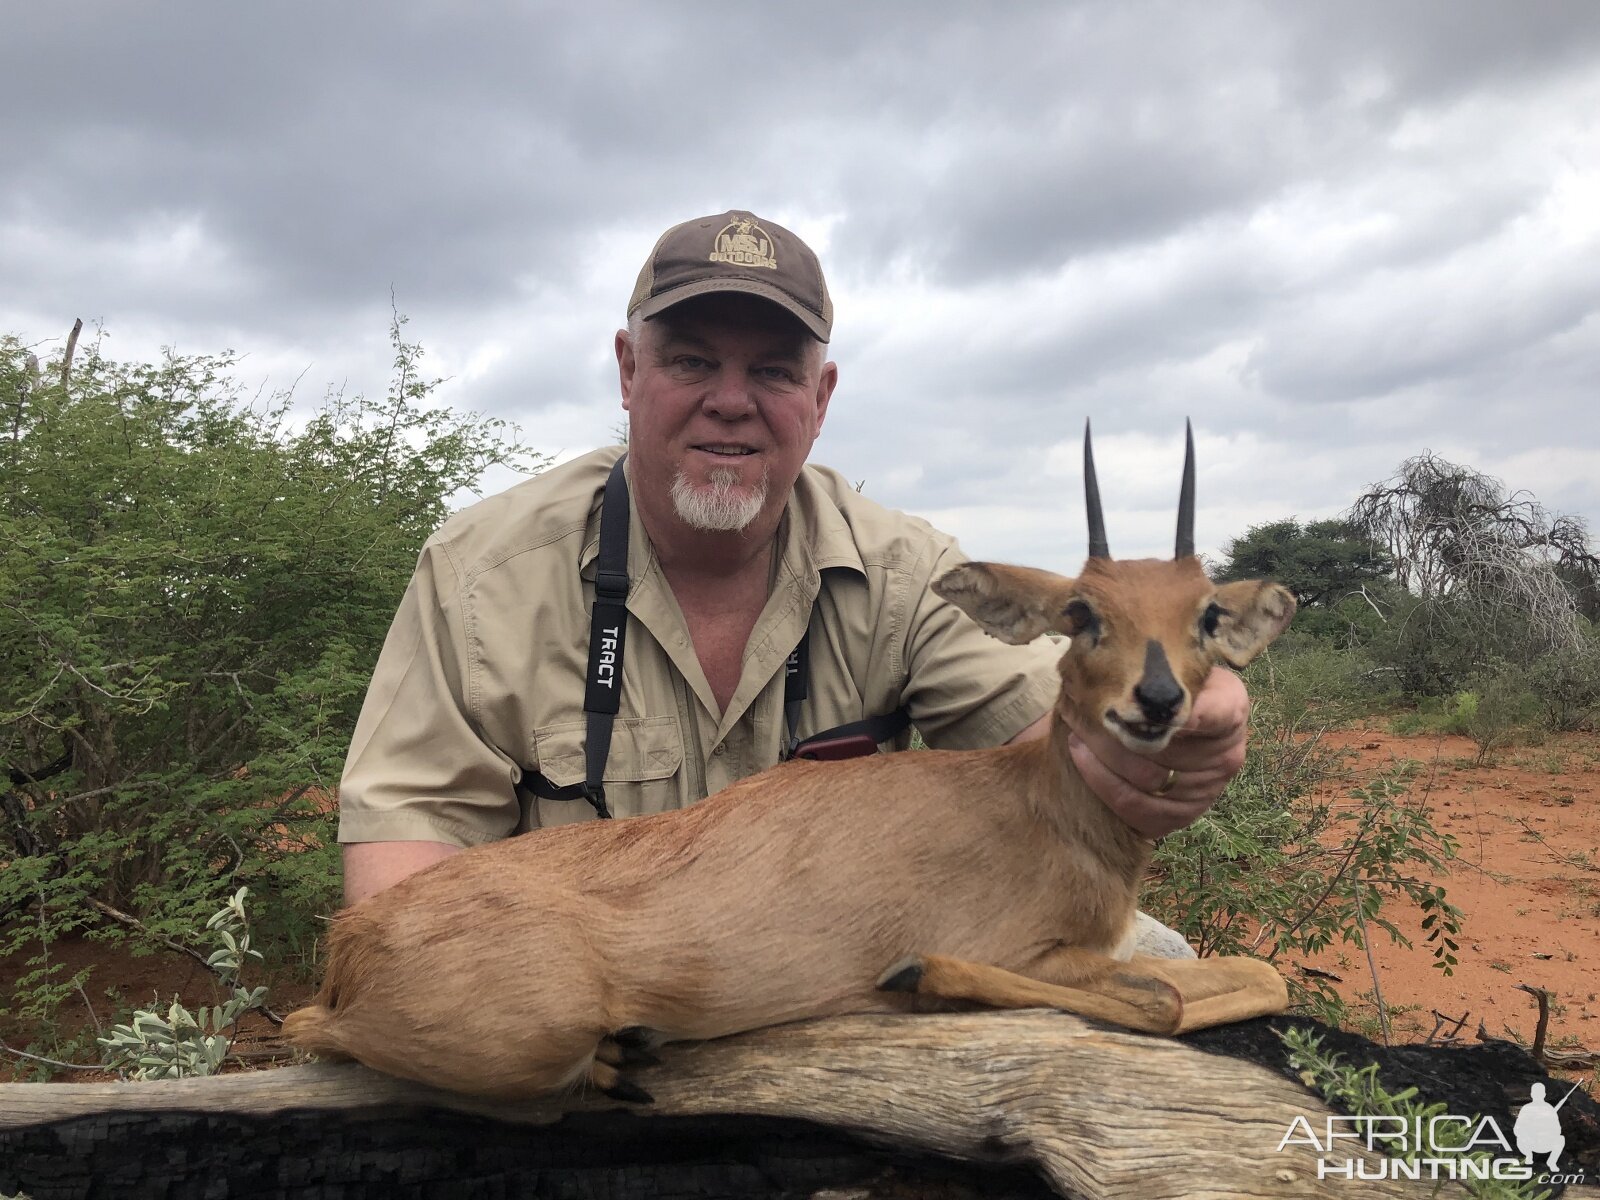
x,y
1091,495
1185,547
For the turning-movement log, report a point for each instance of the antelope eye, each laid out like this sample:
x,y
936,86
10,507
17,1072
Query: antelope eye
x,y
1211,618
1080,617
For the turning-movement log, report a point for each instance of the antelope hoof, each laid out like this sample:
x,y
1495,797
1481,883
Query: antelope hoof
x,y
624,1054
627,1090
904,976
635,1056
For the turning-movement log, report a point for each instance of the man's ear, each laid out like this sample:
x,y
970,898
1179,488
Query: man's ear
x,y
1014,604
1253,613
827,380
626,362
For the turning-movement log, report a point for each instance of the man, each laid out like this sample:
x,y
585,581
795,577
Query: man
x,y
736,548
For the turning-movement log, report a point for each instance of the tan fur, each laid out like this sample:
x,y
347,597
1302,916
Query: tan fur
x,y
500,970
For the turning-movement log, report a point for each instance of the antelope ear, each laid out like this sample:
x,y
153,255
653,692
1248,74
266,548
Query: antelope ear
x,y
1254,612
1014,604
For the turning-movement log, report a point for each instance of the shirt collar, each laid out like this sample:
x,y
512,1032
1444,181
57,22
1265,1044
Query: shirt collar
x,y
825,533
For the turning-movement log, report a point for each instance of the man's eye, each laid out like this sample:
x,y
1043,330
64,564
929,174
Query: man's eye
x,y
777,374
692,362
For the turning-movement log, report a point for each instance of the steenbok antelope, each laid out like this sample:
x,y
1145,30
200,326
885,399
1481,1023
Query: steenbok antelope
x,y
887,883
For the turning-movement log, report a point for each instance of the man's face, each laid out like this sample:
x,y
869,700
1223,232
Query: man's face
x,y
725,395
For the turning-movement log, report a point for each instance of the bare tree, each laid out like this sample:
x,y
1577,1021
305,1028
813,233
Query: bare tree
x,y
1459,540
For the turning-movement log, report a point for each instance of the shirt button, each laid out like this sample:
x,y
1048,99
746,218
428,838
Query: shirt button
x,y
719,749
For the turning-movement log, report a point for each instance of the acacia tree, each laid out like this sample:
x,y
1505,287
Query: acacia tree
x,y
1487,572
1321,562
192,595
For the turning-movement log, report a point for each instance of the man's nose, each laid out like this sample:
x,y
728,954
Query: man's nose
x,y
728,395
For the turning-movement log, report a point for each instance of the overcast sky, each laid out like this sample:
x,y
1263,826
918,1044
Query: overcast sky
x,y
1335,234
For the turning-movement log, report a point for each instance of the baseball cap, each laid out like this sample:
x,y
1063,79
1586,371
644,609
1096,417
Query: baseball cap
x,y
734,252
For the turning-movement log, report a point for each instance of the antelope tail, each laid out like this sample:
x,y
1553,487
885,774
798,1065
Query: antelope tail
x,y
313,1029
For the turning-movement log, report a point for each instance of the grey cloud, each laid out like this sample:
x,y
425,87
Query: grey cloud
x,y
1444,325
1137,191
1157,117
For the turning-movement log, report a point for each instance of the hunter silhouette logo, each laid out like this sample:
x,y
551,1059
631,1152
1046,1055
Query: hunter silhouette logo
x,y
1538,1127
743,243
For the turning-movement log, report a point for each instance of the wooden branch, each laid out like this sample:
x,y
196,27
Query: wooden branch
x,y
72,346
19,777
132,922
1097,1111
1543,1027
1440,1020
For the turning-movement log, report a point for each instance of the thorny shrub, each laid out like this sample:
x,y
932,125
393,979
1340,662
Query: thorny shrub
x,y
194,586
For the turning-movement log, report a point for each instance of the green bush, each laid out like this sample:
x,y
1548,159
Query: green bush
x,y
1429,647
1566,687
1436,715
1498,709
1304,681
1445,646
194,587
1461,713
1501,709
181,1043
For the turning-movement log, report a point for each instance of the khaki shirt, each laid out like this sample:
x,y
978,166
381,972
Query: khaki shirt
x,y
482,673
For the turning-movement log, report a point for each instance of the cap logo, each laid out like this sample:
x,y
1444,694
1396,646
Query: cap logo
x,y
744,244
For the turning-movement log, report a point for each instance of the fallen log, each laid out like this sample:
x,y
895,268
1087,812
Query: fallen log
x,y
1094,1112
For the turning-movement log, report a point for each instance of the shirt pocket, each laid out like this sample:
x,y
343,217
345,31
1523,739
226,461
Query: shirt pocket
x,y
643,770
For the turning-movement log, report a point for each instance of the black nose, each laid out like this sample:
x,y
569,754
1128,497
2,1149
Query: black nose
x,y
1158,699
1158,693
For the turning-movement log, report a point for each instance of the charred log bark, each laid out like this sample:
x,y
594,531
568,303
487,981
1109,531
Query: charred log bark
x,y
1022,1104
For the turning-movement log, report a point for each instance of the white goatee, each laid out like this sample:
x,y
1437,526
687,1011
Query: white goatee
x,y
721,506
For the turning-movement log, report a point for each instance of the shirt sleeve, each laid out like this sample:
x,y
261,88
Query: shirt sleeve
x,y
965,689
419,768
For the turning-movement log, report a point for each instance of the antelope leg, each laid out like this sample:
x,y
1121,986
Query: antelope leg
x,y
1150,995
1108,993
1217,991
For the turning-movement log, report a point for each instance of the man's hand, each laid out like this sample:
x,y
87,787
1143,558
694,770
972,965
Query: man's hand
x,y
1206,753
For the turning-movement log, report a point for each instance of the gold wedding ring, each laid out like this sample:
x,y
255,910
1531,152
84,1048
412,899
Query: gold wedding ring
x,y
1166,784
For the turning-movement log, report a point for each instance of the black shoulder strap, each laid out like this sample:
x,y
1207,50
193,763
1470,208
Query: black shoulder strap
x,y
796,673
608,630
602,696
842,741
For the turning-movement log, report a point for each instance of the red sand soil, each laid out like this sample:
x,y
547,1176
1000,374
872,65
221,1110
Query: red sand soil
x,y
1527,880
